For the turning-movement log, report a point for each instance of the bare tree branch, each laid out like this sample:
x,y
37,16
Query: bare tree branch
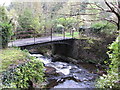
x,y
117,8
112,9
112,21
100,7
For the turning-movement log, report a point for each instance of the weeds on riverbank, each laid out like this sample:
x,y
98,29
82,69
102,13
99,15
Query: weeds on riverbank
x,y
11,56
19,70
112,80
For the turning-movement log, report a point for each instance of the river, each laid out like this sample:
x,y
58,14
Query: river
x,y
66,75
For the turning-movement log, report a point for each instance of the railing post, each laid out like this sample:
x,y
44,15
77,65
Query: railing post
x,y
63,32
34,37
72,33
34,40
51,34
12,43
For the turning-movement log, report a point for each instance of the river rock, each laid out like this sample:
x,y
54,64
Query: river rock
x,y
64,59
50,70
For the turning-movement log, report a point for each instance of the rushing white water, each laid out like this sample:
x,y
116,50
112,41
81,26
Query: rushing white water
x,y
61,67
71,71
42,58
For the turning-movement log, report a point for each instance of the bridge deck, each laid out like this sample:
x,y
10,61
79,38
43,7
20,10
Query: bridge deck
x,y
39,40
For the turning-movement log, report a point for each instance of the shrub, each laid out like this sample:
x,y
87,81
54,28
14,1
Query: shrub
x,y
6,32
5,27
24,75
19,70
59,28
111,80
104,27
97,27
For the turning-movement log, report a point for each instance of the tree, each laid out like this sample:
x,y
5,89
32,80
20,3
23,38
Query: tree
x,y
113,7
108,8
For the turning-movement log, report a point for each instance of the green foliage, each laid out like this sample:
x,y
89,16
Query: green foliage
x,y
66,22
12,56
67,34
5,28
24,69
111,80
6,33
3,15
21,76
59,28
109,28
25,20
104,27
30,22
99,25
36,24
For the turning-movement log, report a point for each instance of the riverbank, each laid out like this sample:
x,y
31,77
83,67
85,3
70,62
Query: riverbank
x,y
19,69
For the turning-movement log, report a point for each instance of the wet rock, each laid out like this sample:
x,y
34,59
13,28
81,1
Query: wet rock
x,y
101,73
52,74
63,58
70,77
73,70
50,70
52,83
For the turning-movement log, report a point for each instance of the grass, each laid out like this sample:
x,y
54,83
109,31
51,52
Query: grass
x,y
67,34
12,56
77,36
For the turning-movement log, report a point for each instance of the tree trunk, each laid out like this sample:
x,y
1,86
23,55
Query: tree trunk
x,y
118,26
118,16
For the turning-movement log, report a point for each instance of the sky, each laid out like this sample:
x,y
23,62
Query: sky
x,y
7,2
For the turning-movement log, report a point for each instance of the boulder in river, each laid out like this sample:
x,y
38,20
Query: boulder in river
x,y
50,70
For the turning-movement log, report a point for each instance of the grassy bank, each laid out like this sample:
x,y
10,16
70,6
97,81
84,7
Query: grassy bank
x,y
67,34
19,69
12,56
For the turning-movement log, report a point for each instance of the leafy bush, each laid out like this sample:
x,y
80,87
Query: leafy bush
x,y
59,28
6,33
66,22
5,27
111,80
104,27
19,69
24,75
3,14
98,26
109,29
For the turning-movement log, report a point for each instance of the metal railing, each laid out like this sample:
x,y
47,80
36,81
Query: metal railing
x,y
20,34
